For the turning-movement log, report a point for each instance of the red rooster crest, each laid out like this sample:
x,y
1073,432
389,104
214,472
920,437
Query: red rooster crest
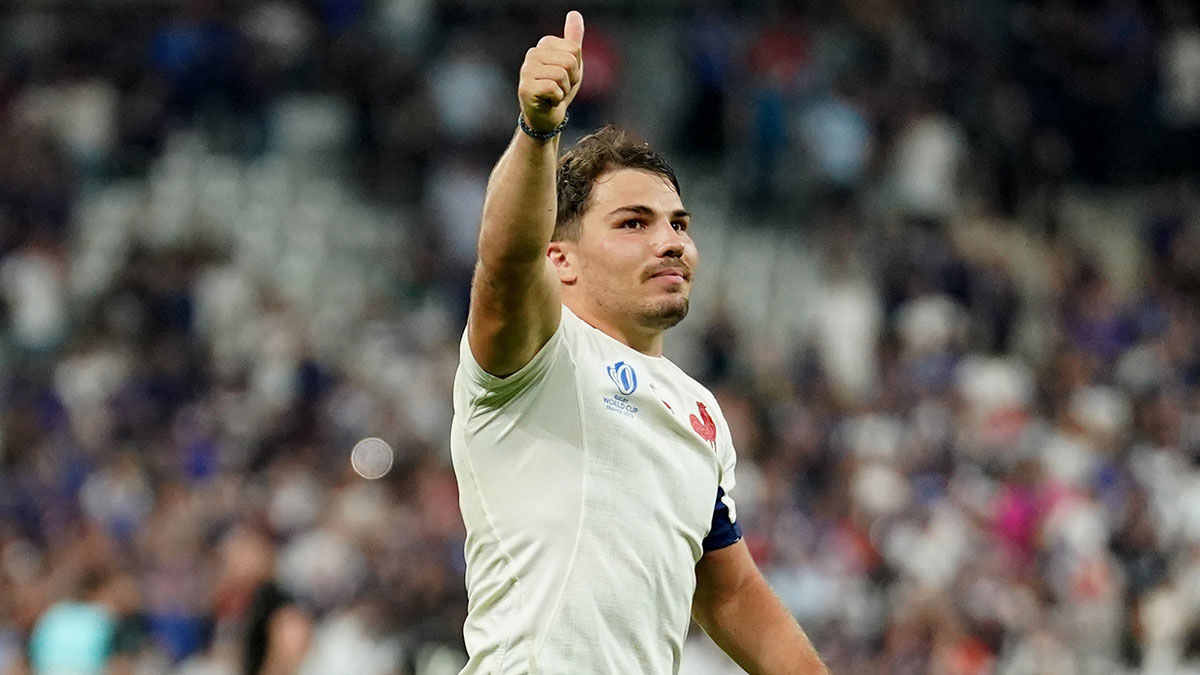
x,y
705,426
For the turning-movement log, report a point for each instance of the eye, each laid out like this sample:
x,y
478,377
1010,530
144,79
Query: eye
x,y
632,223
680,225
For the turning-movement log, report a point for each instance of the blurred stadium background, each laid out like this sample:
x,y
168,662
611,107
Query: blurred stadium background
x,y
949,302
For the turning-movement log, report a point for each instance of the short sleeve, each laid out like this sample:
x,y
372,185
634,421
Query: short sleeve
x,y
490,390
724,530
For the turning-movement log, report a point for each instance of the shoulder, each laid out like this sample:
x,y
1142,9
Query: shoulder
x,y
576,328
556,355
693,387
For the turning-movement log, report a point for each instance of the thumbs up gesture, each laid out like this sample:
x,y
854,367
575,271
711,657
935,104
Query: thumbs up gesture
x,y
551,74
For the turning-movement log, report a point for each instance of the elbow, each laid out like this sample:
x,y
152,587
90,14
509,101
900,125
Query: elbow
x,y
508,252
511,258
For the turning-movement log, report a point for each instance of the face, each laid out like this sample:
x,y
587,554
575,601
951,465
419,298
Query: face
x,y
634,258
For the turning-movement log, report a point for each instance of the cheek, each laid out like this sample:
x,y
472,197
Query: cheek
x,y
617,261
602,267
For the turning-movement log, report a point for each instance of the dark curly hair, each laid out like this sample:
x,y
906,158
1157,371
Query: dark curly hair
x,y
604,150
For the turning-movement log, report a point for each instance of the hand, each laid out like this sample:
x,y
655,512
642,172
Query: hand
x,y
551,74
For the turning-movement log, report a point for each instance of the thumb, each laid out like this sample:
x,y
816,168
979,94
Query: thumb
x,y
573,29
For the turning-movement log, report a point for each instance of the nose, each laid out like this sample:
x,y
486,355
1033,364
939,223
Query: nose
x,y
671,244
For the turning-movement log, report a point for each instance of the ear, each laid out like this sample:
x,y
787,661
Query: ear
x,y
562,255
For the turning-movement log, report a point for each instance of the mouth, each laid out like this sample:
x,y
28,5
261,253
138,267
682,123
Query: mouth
x,y
672,274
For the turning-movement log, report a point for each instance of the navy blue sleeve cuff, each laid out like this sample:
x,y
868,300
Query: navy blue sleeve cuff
x,y
724,531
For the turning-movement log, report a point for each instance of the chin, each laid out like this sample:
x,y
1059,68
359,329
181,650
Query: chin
x,y
665,313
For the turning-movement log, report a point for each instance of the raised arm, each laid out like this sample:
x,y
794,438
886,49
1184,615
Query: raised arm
x,y
515,305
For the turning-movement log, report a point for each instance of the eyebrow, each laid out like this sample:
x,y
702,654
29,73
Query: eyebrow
x,y
643,210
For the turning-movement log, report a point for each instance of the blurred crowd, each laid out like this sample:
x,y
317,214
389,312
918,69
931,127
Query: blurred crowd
x,y
981,456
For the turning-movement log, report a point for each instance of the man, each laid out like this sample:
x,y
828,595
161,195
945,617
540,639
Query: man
x,y
593,473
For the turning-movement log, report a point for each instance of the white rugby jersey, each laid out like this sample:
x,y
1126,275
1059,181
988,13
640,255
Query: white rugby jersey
x,y
591,481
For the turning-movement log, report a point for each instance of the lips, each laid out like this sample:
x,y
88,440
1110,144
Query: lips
x,y
676,272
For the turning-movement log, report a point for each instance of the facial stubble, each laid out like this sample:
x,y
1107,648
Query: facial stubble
x,y
665,313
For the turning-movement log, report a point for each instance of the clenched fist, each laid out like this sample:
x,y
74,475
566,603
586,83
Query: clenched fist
x,y
551,74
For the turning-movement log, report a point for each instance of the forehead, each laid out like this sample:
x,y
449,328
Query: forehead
x,y
632,187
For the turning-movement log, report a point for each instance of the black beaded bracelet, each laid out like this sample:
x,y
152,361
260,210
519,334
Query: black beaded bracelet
x,y
542,135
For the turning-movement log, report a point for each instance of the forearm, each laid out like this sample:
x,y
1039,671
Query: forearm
x,y
514,296
758,632
519,209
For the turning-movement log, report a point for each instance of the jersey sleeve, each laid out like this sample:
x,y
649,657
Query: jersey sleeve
x,y
489,390
725,530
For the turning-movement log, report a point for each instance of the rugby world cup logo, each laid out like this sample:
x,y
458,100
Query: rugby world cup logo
x,y
623,375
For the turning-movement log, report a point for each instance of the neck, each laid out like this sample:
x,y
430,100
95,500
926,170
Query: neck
x,y
627,332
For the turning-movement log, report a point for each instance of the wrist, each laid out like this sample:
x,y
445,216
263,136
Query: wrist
x,y
541,135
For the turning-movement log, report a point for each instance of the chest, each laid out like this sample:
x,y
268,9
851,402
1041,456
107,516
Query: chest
x,y
652,440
